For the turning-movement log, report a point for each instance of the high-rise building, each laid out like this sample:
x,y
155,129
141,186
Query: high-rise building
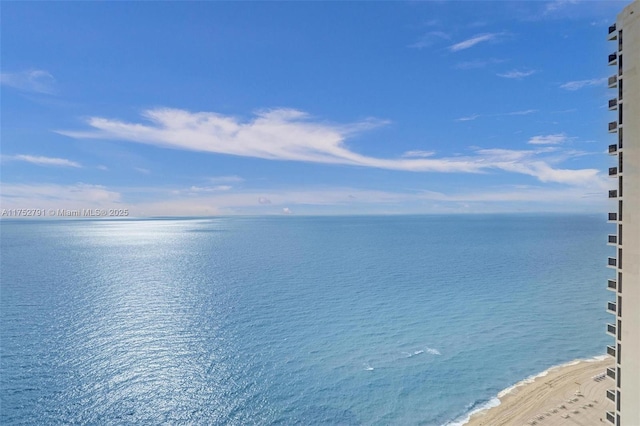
x,y
625,328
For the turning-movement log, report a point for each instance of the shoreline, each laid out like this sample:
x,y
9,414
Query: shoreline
x,y
537,399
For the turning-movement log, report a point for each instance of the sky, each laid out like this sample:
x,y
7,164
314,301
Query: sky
x,y
305,108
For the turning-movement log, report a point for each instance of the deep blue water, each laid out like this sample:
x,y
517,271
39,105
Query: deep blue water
x,y
291,320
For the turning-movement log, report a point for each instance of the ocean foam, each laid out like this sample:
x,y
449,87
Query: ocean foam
x,y
433,351
531,379
494,402
464,419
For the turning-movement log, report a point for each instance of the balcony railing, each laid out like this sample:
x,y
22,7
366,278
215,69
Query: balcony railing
x,y
613,216
611,329
613,59
612,28
613,103
611,372
612,261
611,351
611,417
613,171
613,148
613,81
612,285
611,395
613,193
613,126
612,239
611,307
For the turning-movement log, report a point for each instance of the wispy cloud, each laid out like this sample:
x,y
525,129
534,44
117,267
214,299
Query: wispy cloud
x,y
468,117
35,81
480,38
555,5
225,179
517,74
43,161
554,139
430,39
152,202
524,112
580,84
217,188
478,63
475,116
418,154
290,135
79,195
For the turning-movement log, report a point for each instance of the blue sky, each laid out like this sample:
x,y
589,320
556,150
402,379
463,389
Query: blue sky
x,y
210,108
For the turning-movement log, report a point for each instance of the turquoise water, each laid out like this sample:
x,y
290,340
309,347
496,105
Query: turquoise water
x,y
291,320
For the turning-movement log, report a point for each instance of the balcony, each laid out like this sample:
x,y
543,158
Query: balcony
x,y
612,285
612,34
613,148
611,308
611,395
611,351
613,126
613,171
613,81
613,217
612,261
611,372
611,417
613,104
613,59
612,239
613,193
611,330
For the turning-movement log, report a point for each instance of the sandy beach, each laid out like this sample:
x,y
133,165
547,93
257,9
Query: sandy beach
x,y
570,394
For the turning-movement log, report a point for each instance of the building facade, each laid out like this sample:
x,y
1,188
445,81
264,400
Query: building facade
x,y
625,214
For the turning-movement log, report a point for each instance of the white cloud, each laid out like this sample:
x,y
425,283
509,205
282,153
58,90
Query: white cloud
x,y
468,118
54,196
284,134
473,41
38,81
225,179
579,84
553,139
558,4
525,112
43,161
217,188
474,116
154,202
429,39
142,170
263,200
478,63
516,74
418,154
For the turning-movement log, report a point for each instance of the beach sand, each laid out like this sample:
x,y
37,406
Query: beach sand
x,y
570,394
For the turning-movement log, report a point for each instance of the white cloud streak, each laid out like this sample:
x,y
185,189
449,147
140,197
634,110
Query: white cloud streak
x,y
466,44
54,196
43,161
554,139
35,81
580,84
516,74
430,39
290,135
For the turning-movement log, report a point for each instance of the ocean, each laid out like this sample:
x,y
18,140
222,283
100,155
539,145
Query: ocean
x,y
354,320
